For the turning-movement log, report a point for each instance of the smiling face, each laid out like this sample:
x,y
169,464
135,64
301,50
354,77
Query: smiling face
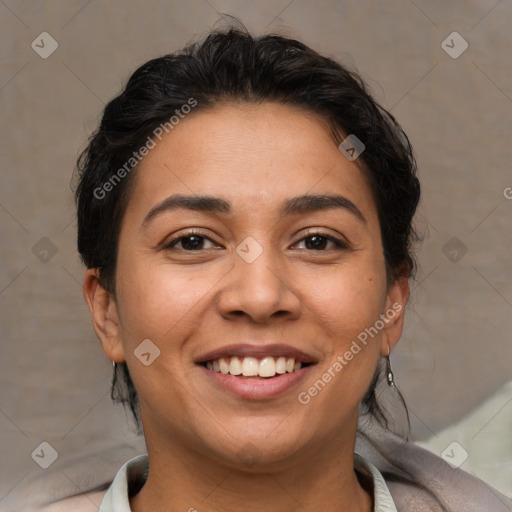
x,y
248,234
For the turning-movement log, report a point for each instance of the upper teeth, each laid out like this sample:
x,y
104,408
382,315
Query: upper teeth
x,y
252,367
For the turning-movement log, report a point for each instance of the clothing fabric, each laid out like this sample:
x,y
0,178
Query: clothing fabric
x,y
132,476
420,481
417,479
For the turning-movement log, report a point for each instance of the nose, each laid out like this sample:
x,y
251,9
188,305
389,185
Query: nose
x,y
259,291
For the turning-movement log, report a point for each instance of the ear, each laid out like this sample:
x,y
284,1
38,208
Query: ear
x,y
104,314
393,316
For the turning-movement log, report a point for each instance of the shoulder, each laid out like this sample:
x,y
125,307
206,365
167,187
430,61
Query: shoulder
x,y
408,498
87,502
128,480
421,481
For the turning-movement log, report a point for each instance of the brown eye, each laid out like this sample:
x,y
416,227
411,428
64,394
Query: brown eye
x,y
316,242
321,242
191,242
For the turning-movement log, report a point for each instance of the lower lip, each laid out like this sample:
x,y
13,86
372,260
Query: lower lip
x,y
257,388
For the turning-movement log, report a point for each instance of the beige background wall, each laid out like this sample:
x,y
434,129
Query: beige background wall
x,y
456,351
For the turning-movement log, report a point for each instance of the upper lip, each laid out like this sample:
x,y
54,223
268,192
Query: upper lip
x,y
258,351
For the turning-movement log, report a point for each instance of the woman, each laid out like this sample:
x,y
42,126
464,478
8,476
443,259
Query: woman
x,y
244,212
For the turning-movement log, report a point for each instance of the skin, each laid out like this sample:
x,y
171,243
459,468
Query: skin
x,y
189,302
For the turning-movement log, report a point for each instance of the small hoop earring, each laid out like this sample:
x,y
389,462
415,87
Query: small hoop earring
x,y
389,374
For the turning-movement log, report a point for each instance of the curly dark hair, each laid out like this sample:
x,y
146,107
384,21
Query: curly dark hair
x,y
233,66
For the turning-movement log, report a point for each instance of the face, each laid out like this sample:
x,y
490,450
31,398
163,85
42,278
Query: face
x,y
250,244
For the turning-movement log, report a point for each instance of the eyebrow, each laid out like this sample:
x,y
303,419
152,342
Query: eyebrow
x,y
294,206
322,202
194,203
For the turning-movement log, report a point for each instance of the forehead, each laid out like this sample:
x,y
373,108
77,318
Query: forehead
x,y
253,155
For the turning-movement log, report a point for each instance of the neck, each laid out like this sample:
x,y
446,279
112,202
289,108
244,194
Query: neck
x,y
316,479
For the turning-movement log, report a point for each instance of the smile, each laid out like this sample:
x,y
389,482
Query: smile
x,y
256,371
265,367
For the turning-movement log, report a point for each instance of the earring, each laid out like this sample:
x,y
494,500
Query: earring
x,y
389,374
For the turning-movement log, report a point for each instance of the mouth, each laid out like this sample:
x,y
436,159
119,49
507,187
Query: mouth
x,y
249,361
256,372
264,367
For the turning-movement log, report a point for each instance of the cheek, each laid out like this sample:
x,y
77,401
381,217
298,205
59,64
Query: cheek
x,y
348,304
159,301
349,300
162,304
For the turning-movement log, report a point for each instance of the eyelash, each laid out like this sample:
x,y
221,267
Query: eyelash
x,y
339,244
171,243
